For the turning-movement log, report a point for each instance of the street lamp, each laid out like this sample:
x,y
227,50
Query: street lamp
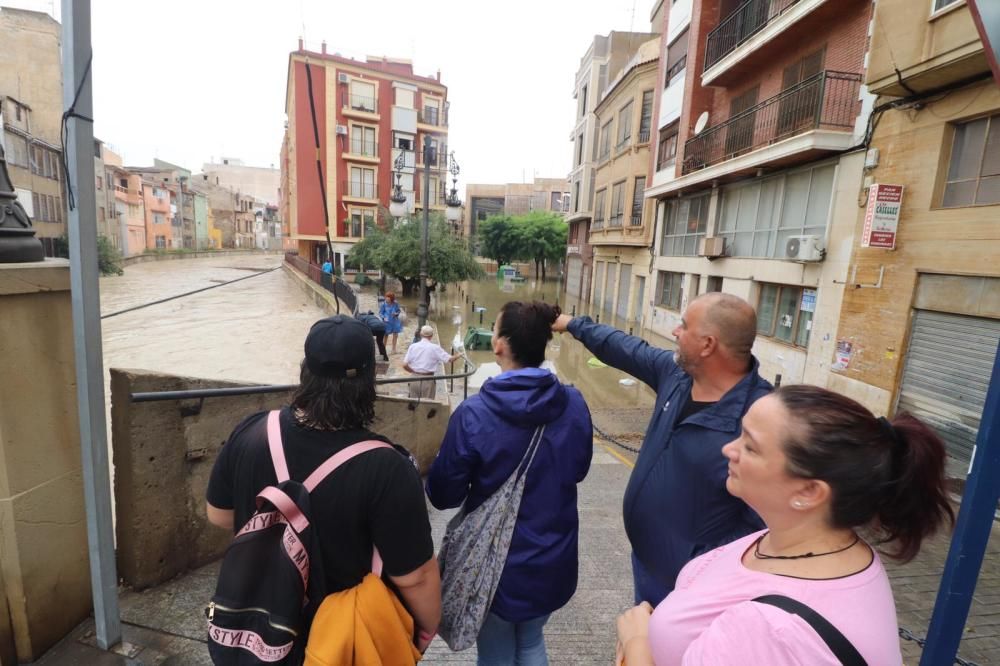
x,y
17,238
454,210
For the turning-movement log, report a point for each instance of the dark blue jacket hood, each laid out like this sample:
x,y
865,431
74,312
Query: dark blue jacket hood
x,y
527,399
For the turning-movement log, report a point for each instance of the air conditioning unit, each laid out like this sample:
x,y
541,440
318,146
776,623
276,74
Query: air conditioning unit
x,y
804,248
342,78
712,246
342,130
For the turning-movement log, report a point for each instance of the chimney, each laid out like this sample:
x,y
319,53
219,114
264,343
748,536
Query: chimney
x,y
439,76
323,47
301,45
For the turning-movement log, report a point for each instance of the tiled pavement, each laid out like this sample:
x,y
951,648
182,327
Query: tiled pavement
x,y
166,625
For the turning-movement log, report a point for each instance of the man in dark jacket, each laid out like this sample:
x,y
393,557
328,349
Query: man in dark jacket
x,y
676,506
377,327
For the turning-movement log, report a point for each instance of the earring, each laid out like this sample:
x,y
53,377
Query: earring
x,y
798,504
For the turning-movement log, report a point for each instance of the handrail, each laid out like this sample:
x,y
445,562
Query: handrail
x,y
231,391
743,23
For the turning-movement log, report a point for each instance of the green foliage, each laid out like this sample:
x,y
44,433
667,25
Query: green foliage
x,y
109,259
395,249
538,236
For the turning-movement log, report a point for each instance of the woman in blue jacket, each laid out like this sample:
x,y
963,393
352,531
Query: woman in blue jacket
x,y
389,311
487,437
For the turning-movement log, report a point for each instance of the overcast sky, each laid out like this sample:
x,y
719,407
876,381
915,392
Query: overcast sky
x,y
191,81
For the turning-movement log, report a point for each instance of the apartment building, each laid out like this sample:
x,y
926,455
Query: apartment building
x,y
605,55
163,231
484,200
262,183
30,113
920,322
368,114
757,170
621,232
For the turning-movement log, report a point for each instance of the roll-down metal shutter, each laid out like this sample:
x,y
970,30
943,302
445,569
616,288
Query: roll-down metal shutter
x,y
624,284
946,374
574,266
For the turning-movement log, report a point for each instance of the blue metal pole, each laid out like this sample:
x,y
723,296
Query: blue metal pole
x,y
972,533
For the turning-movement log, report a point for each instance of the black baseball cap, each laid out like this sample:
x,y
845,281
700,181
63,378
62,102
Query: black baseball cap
x,y
339,346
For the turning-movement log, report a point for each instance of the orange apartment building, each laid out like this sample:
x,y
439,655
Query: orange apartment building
x,y
757,172
367,113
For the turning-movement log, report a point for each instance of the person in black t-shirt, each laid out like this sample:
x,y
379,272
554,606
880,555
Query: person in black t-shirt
x,y
373,499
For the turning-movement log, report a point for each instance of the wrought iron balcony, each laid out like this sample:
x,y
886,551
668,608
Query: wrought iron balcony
x,y
360,146
746,21
359,189
432,116
360,102
827,100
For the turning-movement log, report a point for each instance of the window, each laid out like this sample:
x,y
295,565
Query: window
x,y
974,170
714,283
158,218
646,117
161,242
101,214
404,98
599,208
617,204
676,57
938,6
363,140
624,126
576,196
605,142
583,101
579,149
431,113
684,226
670,290
17,149
757,219
666,151
637,198
786,313
17,112
361,219
100,183
362,183
797,108
739,134
362,96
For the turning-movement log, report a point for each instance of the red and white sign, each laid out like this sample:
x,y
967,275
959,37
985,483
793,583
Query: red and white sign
x,y
882,216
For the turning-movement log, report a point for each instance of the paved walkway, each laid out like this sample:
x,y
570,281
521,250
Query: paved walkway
x,y
166,626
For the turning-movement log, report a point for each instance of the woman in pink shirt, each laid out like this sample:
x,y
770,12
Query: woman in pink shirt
x,y
817,467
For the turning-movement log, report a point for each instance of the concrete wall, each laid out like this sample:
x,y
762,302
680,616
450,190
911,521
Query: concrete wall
x,y
43,537
143,258
163,460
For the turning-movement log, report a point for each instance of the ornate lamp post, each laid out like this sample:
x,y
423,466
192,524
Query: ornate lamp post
x,y
454,210
17,238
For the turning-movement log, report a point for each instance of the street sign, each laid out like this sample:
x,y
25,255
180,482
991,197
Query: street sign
x,y
882,216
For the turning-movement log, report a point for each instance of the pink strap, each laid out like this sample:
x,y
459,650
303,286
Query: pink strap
x,y
338,459
376,562
284,504
274,443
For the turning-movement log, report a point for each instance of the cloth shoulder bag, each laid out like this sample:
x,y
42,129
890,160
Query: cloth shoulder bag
x,y
473,554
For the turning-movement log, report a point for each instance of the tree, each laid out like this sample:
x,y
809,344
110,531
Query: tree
x,y
498,239
395,249
538,236
109,259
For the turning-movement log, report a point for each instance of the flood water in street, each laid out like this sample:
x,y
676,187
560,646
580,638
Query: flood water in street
x,y
619,402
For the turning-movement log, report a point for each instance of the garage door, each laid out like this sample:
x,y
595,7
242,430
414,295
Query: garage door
x,y
946,374
609,288
574,267
624,282
585,285
599,283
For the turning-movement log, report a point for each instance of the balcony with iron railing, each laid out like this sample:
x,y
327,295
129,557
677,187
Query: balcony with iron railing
x,y
825,101
358,189
635,219
360,147
362,103
615,221
438,194
433,117
739,38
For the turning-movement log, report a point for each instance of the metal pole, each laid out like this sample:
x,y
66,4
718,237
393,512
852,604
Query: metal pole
x,y
82,223
424,305
972,533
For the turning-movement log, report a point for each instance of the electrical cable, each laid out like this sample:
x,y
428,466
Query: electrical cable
x,y
64,132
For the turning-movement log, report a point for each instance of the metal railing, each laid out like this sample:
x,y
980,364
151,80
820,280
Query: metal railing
x,y
644,136
615,220
360,146
359,189
337,287
438,195
745,22
432,116
635,219
231,391
826,100
359,102
676,69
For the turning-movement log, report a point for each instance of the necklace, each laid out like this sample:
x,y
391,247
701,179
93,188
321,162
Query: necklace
x,y
763,556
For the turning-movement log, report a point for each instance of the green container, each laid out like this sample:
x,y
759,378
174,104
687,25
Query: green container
x,y
478,339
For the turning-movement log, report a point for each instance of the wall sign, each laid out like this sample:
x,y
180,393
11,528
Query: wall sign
x,y
882,216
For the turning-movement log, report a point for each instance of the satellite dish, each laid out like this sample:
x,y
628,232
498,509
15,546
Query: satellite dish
x,y
699,124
